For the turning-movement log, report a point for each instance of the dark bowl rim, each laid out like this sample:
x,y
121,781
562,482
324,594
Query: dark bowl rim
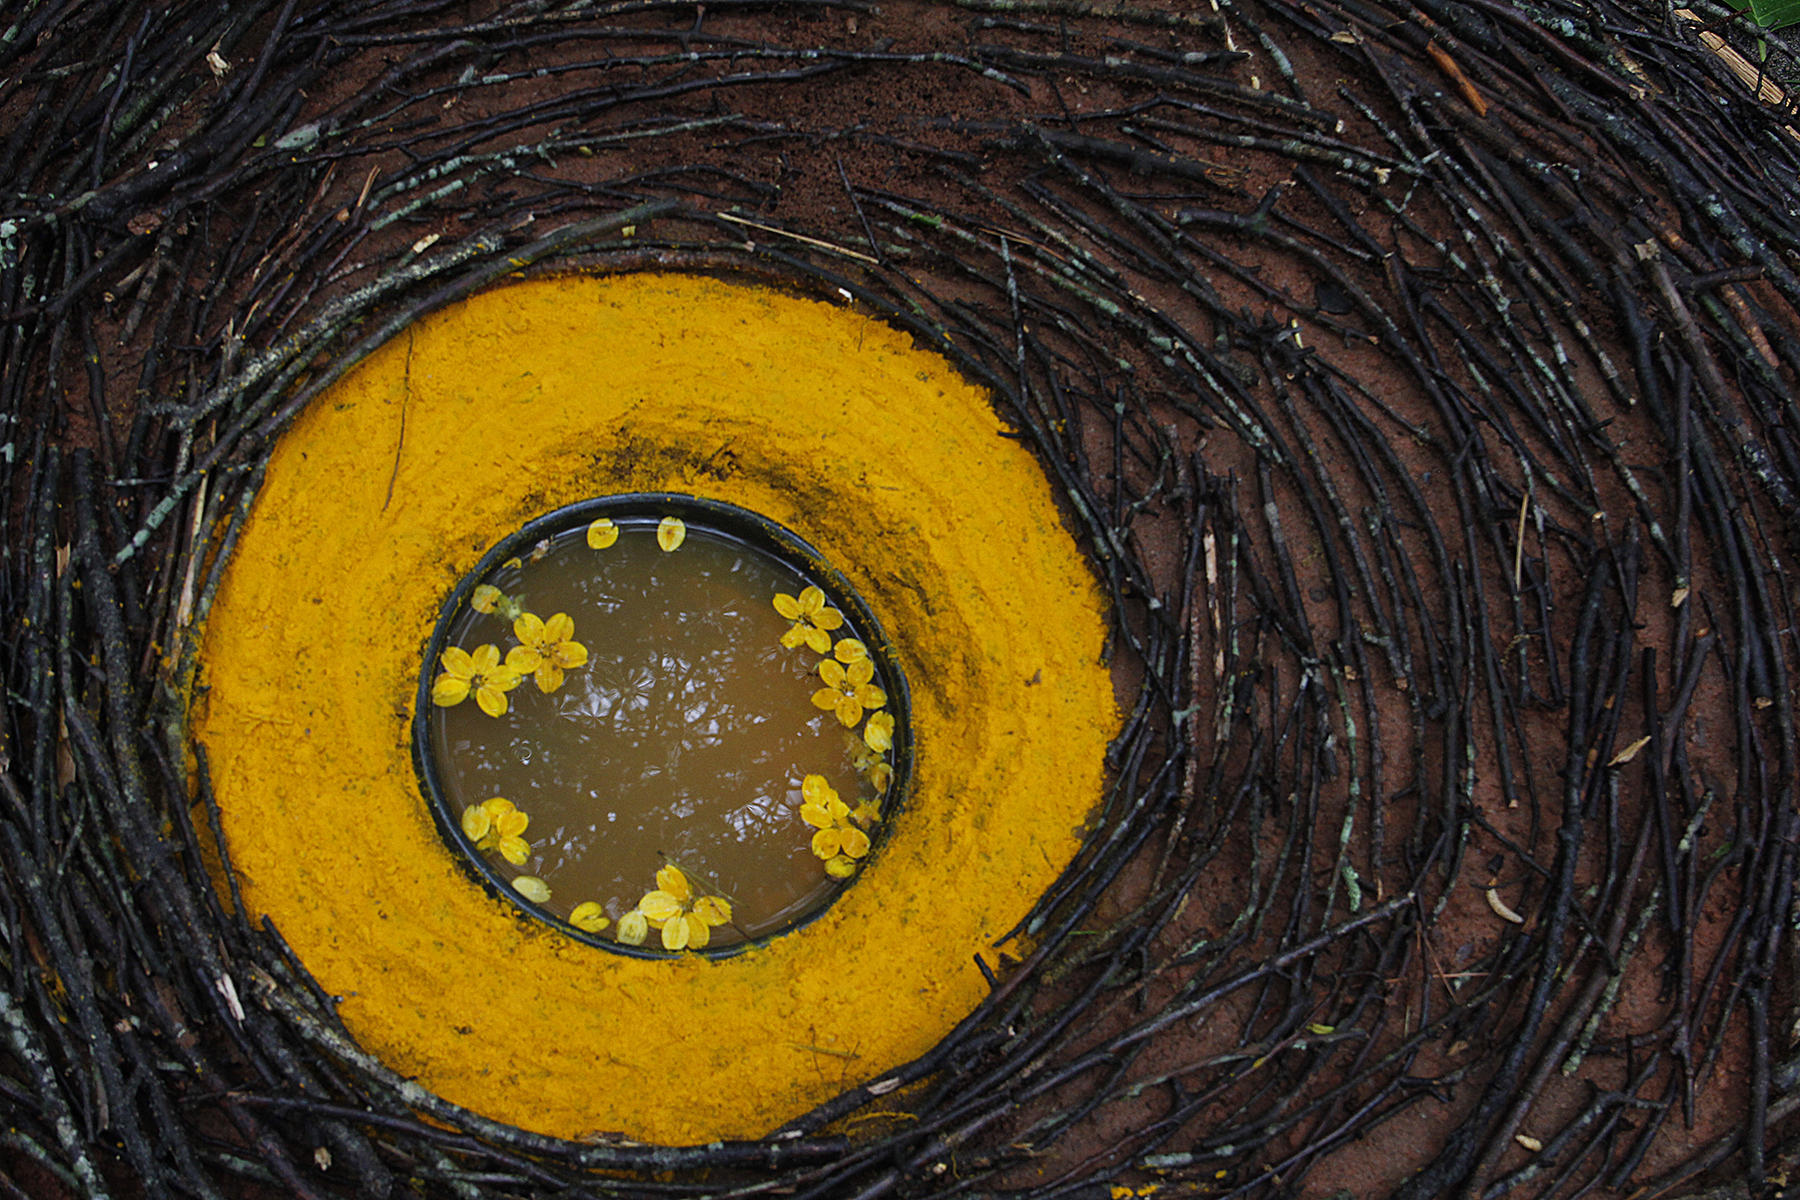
x,y
736,523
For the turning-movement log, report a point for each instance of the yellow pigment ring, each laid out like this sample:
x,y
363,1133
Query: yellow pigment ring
x,y
544,393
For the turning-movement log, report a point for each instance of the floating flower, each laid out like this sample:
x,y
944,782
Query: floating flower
x,y
546,649
496,824
836,834
848,690
489,599
878,734
602,533
686,922
589,917
869,763
634,927
671,532
532,888
813,621
481,673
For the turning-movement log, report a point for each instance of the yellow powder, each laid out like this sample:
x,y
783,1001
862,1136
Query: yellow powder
x,y
542,393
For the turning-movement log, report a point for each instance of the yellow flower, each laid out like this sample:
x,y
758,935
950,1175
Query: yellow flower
x,y
836,835
878,735
869,763
813,621
532,888
488,599
496,824
602,533
589,917
686,922
634,927
848,689
671,532
546,649
481,673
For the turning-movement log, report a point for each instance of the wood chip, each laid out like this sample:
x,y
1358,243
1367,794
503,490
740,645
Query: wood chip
x,y
1500,907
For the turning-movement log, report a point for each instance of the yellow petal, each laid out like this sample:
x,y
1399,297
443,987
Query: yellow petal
x,y
448,690
634,927
532,888
817,640
515,850
489,841
866,812
714,910
825,843
850,650
698,934
475,822
529,629
840,867
861,671
828,618
849,711
825,698
559,628
483,660
814,789
549,676
511,823
485,598
880,776
569,655
675,935
456,660
491,699
816,816
671,532
787,606
589,917
497,806
670,879
602,533
878,735
522,660
840,812
795,636
659,906
870,696
855,842
832,672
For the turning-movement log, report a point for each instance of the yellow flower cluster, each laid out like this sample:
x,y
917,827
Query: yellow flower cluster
x,y
838,838
497,824
686,920
546,649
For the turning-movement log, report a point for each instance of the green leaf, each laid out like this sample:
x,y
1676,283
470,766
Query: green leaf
x,y
1774,14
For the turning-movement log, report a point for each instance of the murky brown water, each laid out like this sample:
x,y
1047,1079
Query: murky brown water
x,y
685,737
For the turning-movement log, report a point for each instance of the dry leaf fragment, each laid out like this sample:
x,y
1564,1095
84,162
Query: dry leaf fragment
x,y
1678,597
322,1158
216,63
1500,907
882,1087
1628,753
1529,1142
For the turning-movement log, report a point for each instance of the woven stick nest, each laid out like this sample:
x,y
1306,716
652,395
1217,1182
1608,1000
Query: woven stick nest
x,y
1421,381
